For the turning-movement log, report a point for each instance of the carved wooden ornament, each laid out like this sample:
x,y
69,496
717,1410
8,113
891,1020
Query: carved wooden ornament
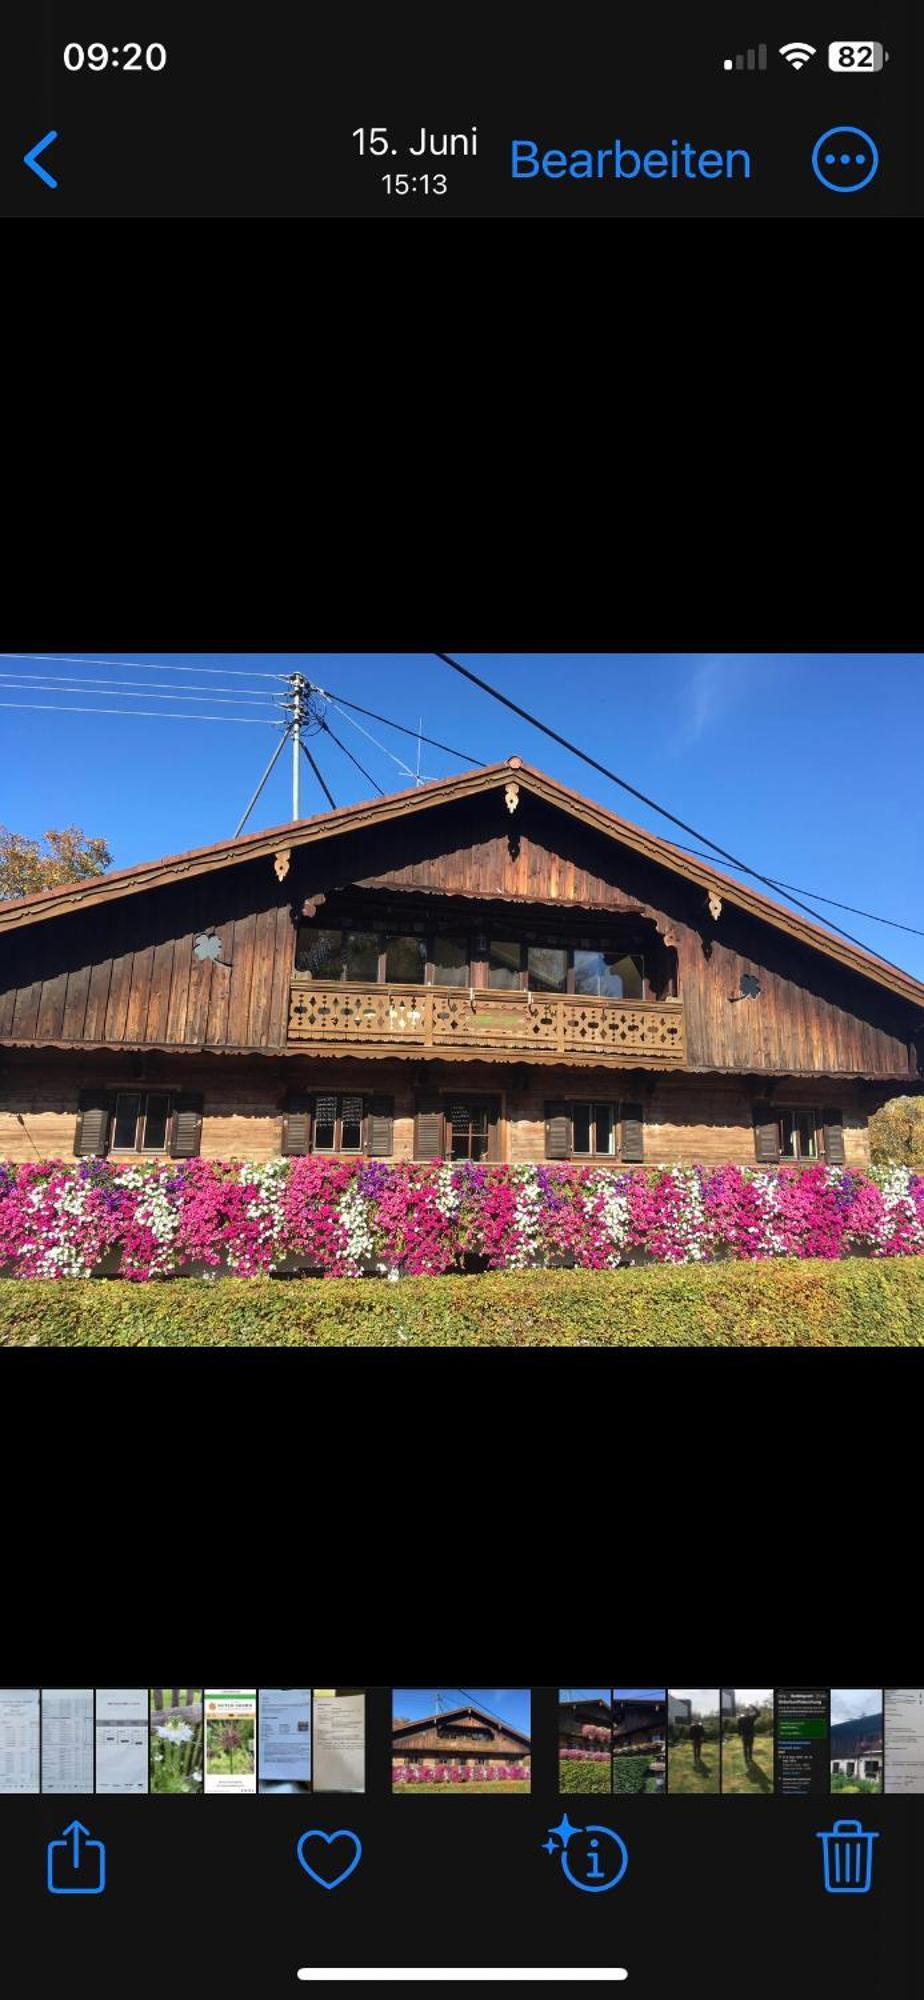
x,y
512,797
281,862
714,903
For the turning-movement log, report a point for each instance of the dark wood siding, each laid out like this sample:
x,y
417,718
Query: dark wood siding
x,y
126,972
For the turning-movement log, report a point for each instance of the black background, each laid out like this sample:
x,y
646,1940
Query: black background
x,y
254,113
285,1516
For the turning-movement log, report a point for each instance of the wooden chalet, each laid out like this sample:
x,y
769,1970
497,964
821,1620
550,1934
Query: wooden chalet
x,y
488,967
585,1726
460,1736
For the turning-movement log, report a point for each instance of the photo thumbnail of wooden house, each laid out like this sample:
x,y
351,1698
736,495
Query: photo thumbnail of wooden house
x,y
585,1739
856,1740
488,967
439,1747
639,1739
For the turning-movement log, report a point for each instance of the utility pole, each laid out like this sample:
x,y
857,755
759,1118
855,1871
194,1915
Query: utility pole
x,y
300,690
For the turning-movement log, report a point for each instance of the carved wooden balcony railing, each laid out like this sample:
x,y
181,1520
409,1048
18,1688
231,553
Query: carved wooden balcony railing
x,y
569,1027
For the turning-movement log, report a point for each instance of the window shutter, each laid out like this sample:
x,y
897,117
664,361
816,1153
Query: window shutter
x,y
92,1134
766,1135
558,1131
380,1126
834,1137
296,1122
493,1129
633,1131
187,1125
428,1132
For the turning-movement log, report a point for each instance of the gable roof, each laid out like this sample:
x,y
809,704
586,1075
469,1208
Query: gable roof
x,y
470,1714
15,915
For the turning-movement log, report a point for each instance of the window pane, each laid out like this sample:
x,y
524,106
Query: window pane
x,y
548,968
320,953
806,1126
580,1121
361,954
788,1135
155,1123
352,1137
325,1113
605,1132
125,1123
405,960
631,974
609,973
450,961
503,964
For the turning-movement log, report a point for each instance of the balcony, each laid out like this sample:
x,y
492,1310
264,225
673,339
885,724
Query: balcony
x,y
478,1022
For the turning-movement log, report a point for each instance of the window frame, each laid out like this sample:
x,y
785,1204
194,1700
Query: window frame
x,y
478,941
338,1150
616,1108
141,1151
479,1100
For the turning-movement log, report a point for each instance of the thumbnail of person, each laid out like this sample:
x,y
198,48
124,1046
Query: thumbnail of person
x,y
639,1739
856,1739
747,1740
693,1748
585,1739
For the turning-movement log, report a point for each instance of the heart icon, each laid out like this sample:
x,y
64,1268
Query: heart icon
x,y
342,1833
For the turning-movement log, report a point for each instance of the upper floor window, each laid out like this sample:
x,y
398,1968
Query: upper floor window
x,y
609,974
418,957
450,962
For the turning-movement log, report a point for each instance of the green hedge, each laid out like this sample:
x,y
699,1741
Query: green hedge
x,y
858,1302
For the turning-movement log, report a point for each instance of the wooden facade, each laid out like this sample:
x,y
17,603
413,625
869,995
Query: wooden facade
x,y
416,977
462,1735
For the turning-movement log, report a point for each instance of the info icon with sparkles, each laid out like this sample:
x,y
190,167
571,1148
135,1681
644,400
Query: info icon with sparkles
x,y
845,159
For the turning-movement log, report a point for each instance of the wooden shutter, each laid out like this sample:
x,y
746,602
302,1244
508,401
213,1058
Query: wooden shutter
x,y
834,1137
494,1152
766,1134
428,1129
186,1125
95,1110
558,1131
633,1131
380,1126
296,1122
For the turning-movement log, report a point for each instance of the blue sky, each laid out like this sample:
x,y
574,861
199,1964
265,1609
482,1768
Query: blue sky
x,y
848,1704
511,1704
806,765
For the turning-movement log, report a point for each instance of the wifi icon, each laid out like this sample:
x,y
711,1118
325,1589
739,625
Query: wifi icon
x,y
797,54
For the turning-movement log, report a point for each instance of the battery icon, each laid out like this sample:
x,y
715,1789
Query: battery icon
x,y
856,58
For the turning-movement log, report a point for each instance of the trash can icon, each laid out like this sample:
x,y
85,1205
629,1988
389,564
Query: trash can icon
x,y
848,1858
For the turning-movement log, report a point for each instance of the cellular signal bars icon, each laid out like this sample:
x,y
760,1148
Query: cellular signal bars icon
x,y
751,59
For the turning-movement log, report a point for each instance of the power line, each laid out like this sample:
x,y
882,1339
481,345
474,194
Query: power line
x,y
399,761
353,760
160,666
819,898
462,755
124,688
574,750
150,715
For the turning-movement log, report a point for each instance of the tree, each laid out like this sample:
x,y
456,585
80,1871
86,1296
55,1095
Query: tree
x,y
64,854
896,1133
